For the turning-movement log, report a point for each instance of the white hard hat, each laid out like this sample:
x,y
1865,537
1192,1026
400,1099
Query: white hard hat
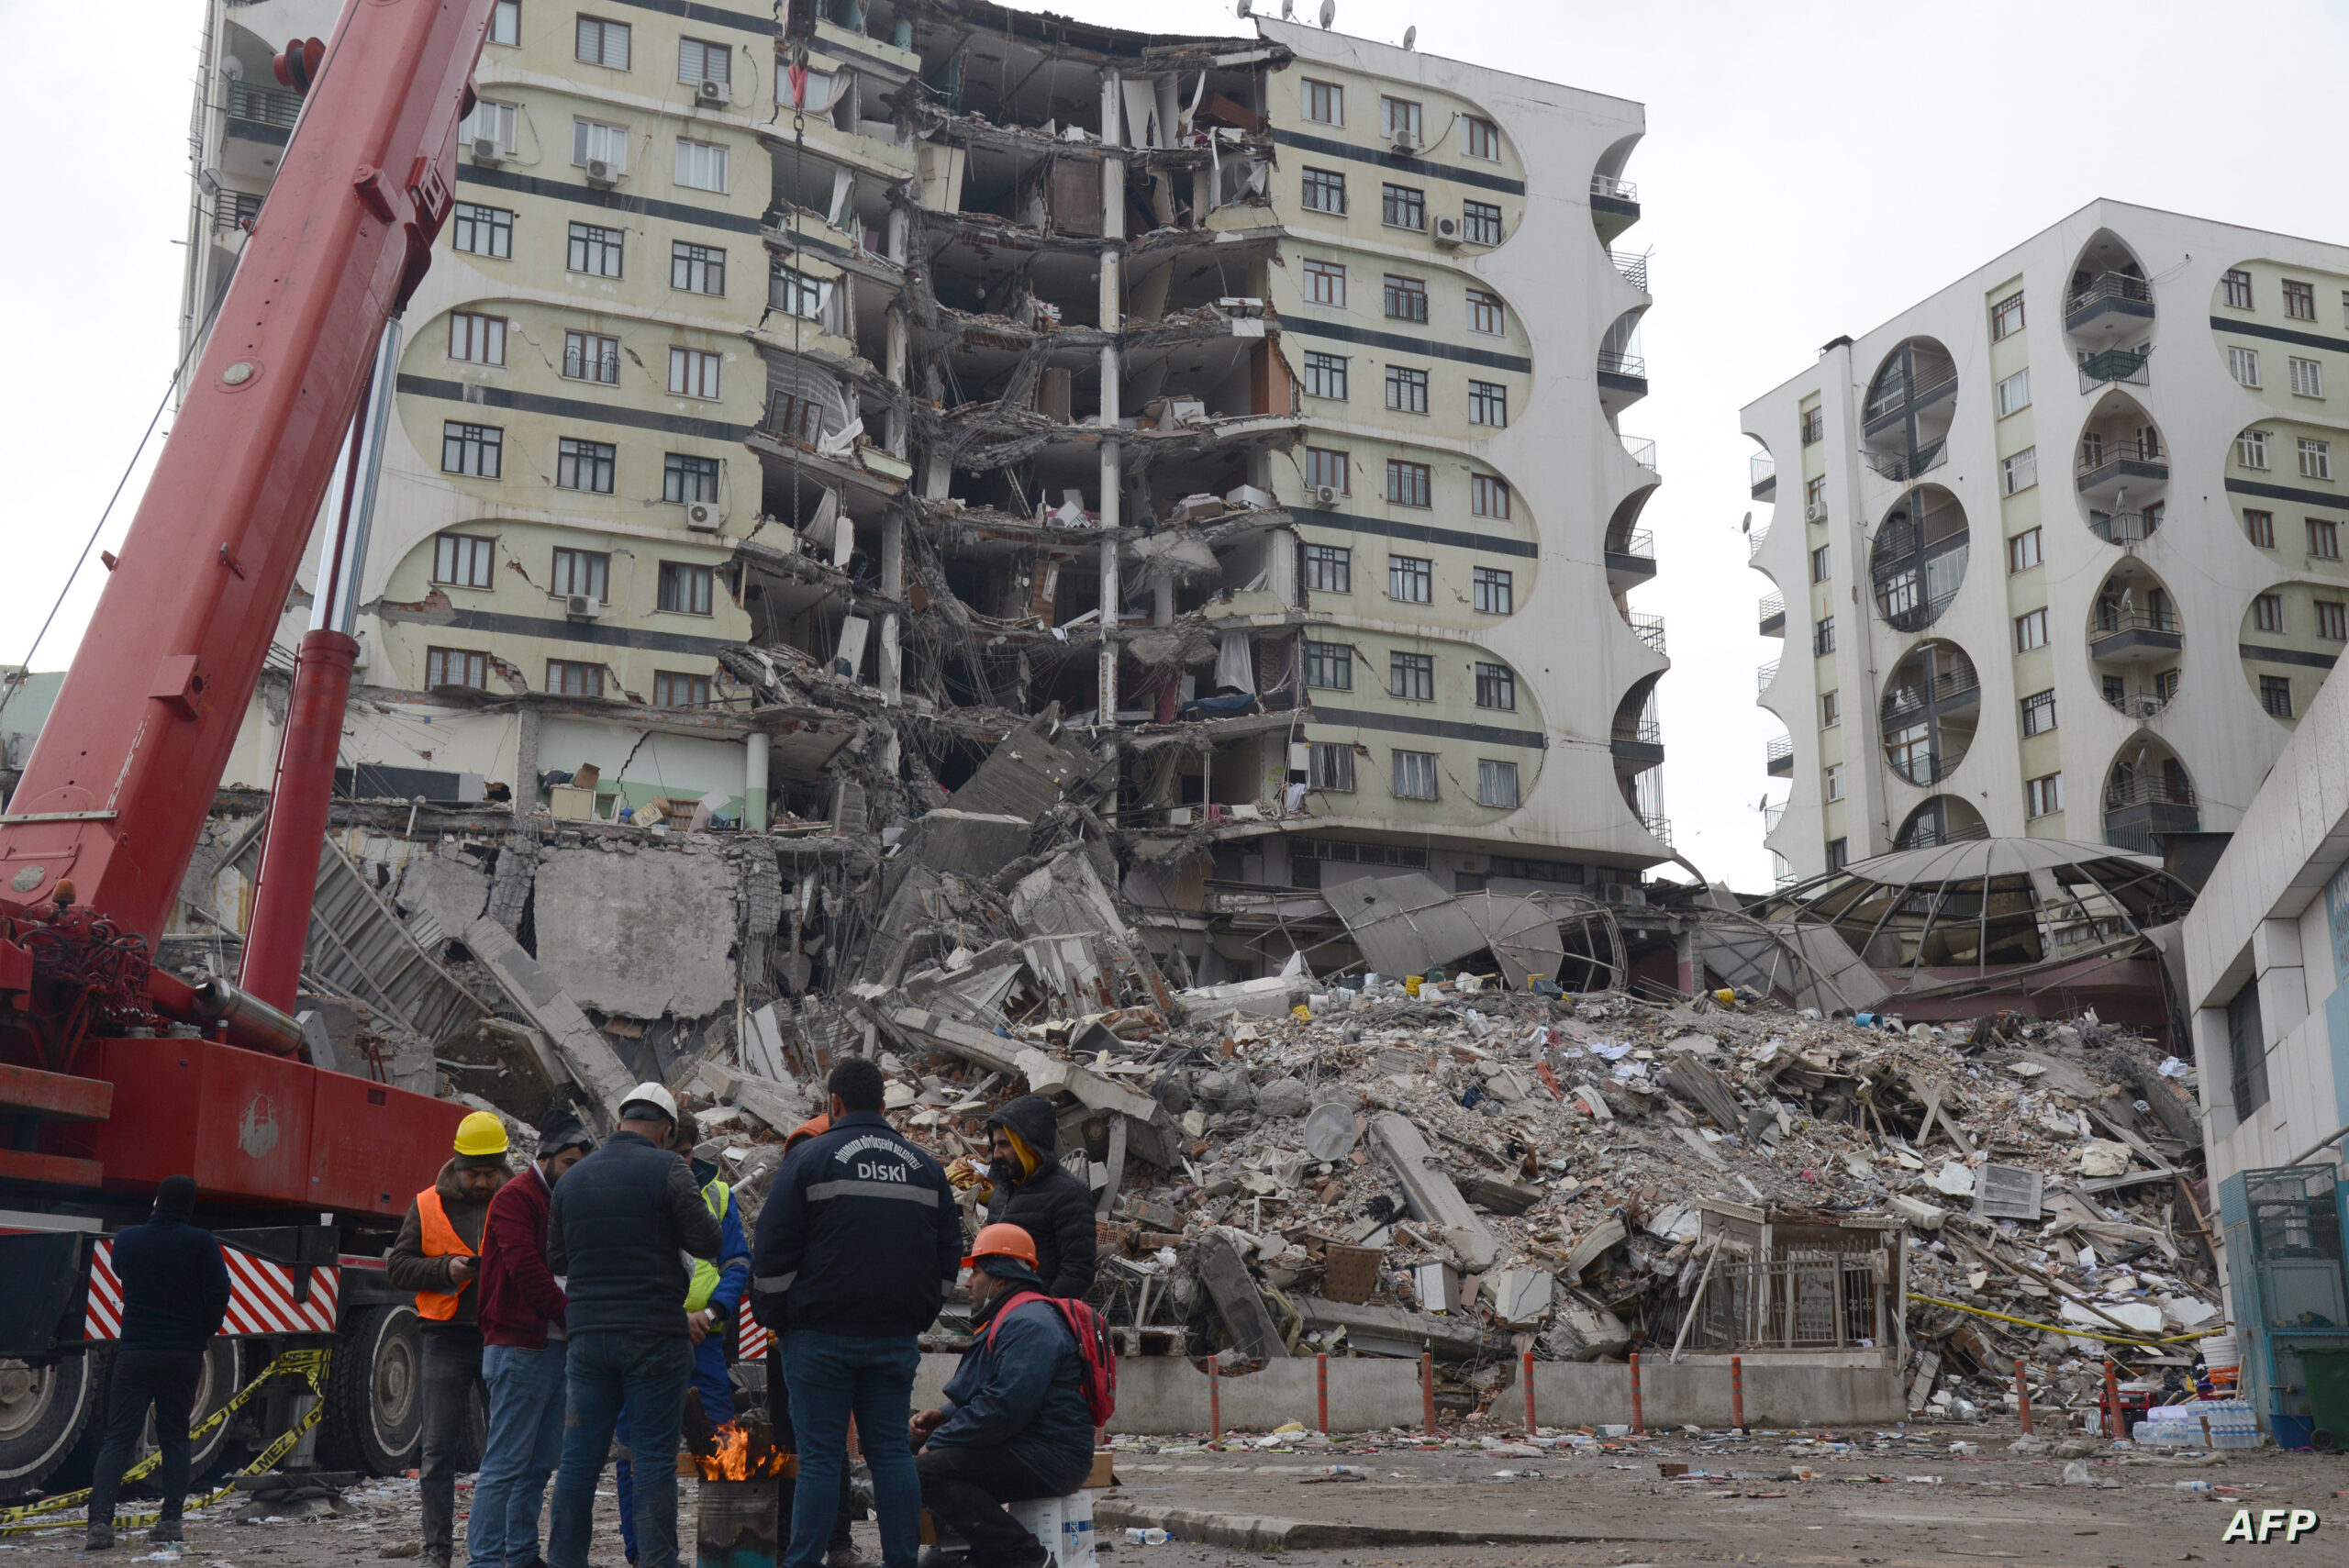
x,y
654,1095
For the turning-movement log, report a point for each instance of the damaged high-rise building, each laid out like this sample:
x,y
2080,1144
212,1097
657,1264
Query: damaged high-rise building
x,y
804,407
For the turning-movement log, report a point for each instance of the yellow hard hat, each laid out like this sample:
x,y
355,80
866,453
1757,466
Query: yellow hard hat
x,y
481,1133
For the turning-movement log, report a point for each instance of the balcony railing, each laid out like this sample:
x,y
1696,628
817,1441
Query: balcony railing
x,y
1613,189
1648,630
2115,365
1927,834
2126,529
1639,542
1643,730
1764,675
1613,364
1754,542
2110,286
235,210
1903,466
1772,608
1633,267
2140,703
265,104
1902,703
1772,815
1782,749
2147,789
1640,451
1917,387
1658,826
2098,451
1761,468
2113,619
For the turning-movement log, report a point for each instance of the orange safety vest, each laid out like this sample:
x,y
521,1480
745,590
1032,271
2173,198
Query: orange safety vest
x,y
440,1238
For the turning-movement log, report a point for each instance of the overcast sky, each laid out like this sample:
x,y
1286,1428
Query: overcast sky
x,y
1808,169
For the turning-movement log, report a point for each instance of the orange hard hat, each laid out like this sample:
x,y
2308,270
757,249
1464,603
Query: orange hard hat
x,y
814,1127
1002,1240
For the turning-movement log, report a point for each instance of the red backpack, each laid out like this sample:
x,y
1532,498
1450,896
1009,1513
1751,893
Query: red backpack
x,y
1093,1348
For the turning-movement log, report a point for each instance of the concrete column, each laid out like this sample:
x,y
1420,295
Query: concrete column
x,y
526,763
2214,1066
1691,973
755,784
893,588
2283,982
1112,313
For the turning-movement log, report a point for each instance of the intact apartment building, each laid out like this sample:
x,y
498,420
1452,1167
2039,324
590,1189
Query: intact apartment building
x,y
2056,553
795,401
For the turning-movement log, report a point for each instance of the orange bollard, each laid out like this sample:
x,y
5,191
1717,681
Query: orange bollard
x,y
2112,1403
1427,1388
1525,1368
1639,1425
1321,1391
1215,1403
2022,1396
1737,1392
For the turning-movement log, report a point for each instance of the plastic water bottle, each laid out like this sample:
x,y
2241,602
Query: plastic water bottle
x,y
1152,1537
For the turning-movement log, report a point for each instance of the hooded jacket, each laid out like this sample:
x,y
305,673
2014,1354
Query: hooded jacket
x,y
175,1285
860,1235
1021,1391
408,1268
1052,1206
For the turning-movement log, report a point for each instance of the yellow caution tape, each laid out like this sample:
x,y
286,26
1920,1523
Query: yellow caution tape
x,y
310,1365
2140,1341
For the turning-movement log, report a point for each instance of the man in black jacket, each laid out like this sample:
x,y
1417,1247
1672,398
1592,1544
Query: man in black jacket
x,y
857,1242
616,1226
1032,1191
175,1292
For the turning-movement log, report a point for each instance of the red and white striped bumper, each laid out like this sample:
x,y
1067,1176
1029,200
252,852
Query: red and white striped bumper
x,y
261,1297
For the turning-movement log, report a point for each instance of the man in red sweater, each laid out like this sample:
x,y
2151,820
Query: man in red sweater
x,y
522,1354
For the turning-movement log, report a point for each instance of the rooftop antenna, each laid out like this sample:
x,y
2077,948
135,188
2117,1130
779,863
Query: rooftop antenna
x,y
1746,526
1329,13
1410,38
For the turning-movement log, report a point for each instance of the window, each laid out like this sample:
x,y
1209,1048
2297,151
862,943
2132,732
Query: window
x,y
1814,498
2332,620
1497,687
796,293
1406,298
693,373
505,22
1414,775
482,230
2259,527
1820,563
1325,283
1403,206
1325,376
1839,853
1329,569
2251,449
1481,138
684,478
2044,795
2299,300
1814,428
697,269
1324,191
699,60
1480,223
1411,676
581,572
2246,1051
1485,313
1330,665
2166,684
602,43
2325,540
2308,378
1831,710
456,667
1488,404
1407,484
2039,712
2275,694
1822,636
2021,471
1330,765
672,689
479,339
701,165
590,356
2243,366
593,141
2030,631
1410,578
491,121
2267,612
1325,102
1398,118
1406,389
1325,467
1487,497
1496,591
584,465
2237,283
2006,317
1834,774
478,451
595,250
2014,392
685,589
574,678
2316,458
2116,690
461,560
1496,782
2022,551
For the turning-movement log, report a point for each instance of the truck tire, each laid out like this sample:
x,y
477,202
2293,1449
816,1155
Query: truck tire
x,y
223,1375
374,1416
44,1413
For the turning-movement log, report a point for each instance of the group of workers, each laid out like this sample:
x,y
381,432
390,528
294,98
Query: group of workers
x,y
587,1295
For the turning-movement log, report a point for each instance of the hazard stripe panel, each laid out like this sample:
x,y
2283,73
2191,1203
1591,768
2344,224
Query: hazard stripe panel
x,y
261,1297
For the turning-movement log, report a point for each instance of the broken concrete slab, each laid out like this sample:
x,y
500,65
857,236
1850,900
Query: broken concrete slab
x,y
1702,1087
781,1103
1499,1193
633,934
1392,1331
509,1065
592,1063
1234,1289
1430,1194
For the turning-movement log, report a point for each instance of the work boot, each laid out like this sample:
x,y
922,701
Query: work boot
x,y
101,1536
166,1532
846,1557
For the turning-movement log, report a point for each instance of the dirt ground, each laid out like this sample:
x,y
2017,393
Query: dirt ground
x,y
1898,1500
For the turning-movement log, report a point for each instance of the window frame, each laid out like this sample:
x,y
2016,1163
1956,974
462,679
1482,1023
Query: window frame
x,y
579,456
2259,527
1488,404
1822,562
1495,589
1410,292
506,24
481,330
569,562
1328,466
473,555
2043,796
560,674
1401,761
2019,471
1329,658
507,131
2315,457
2267,613
2308,377
2251,449
1322,191
1407,387
2006,317
589,242
1487,312
2331,619
1411,677
1406,572
692,152
1476,129
576,344
1822,637
1410,483
1498,681
693,256
475,219
1832,782
1327,763
688,585
2034,706
1332,96
698,373
1488,496
1490,772
1324,376
1398,204
665,689
586,133
1327,568
2324,539
1830,708
1814,429
2009,404
2242,358
2272,690
436,659
2235,287
2025,550
1325,283
603,30
1480,222
1414,118
724,76
488,442
2297,295
2030,630
688,477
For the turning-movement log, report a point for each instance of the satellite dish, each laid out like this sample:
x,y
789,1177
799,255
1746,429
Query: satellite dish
x,y
233,69
1244,4
1410,38
1329,1132
1288,9
1746,526
1329,13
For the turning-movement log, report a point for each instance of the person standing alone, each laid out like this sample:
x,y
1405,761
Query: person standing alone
x,y
174,1293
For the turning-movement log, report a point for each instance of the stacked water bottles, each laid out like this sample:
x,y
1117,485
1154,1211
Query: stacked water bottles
x,y
2230,1423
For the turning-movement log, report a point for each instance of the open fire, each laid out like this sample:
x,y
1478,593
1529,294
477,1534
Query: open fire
x,y
742,1451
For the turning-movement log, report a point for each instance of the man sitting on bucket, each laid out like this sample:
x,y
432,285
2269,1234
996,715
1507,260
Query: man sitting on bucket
x,y
1016,1426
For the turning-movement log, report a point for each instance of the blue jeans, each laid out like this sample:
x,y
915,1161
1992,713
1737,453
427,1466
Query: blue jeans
x,y
646,1376
717,1391
526,1406
829,1375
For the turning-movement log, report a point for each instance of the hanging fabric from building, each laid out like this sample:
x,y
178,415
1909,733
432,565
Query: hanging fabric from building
x,y
1235,664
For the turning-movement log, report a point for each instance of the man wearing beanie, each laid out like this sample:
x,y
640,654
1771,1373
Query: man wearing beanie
x,y
1028,1186
522,1360
175,1292
437,1256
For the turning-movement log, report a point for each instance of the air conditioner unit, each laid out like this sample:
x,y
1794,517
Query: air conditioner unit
x,y
710,92
1815,512
1447,231
704,516
485,150
583,607
1405,143
1623,893
2150,707
601,173
1179,816
1325,495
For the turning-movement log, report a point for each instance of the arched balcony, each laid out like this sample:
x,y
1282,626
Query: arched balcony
x,y
2147,793
2110,303
1905,422
1930,708
1942,819
2121,471
2136,642
1918,559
